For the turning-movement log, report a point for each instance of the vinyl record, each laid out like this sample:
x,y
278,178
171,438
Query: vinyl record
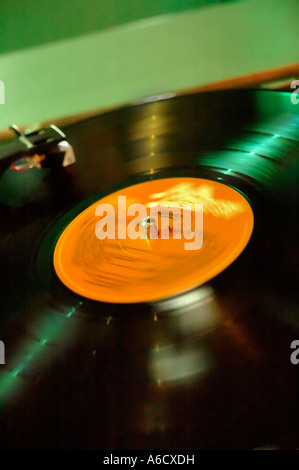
x,y
139,343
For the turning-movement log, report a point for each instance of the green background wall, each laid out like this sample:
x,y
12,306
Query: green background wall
x,y
26,23
73,60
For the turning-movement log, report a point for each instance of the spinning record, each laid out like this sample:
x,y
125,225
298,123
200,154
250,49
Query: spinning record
x,y
146,267
149,289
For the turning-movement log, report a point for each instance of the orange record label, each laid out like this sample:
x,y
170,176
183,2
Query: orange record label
x,y
153,240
